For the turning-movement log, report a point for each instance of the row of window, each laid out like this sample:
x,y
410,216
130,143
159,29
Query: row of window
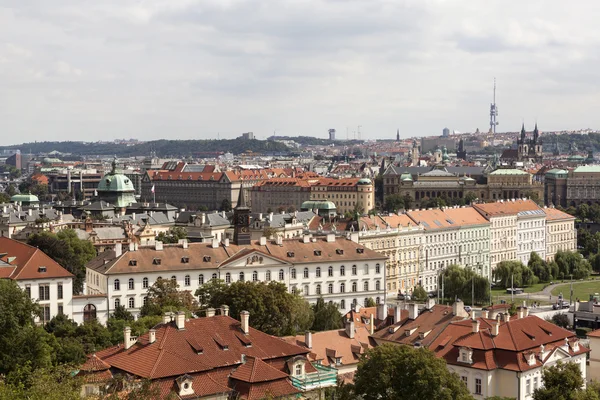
x,y
242,277
342,288
44,291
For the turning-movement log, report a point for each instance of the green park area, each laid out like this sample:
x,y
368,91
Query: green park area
x,y
581,290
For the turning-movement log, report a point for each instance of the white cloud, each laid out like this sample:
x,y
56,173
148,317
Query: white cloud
x,y
191,68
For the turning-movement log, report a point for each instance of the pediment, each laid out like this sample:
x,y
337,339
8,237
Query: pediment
x,y
253,258
557,354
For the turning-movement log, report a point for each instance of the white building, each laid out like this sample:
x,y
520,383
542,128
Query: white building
x,y
42,278
560,232
531,234
337,269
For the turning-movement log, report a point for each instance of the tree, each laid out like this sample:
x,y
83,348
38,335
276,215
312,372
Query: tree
x,y
54,383
358,211
583,211
407,201
269,232
164,296
562,381
470,197
393,203
512,272
122,313
370,302
173,235
458,282
67,250
22,342
419,293
572,263
391,372
225,205
272,308
4,198
539,268
327,316
560,319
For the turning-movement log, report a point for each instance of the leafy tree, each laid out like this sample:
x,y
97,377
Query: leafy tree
x,y
327,316
393,203
357,211
4,198
68,250
407,201
583,211
173,235
225,205
122,313
539,268
10,190
458,282
272,308
370,302
514,272
22,342
419,293
572,263
562,381
560,319
269,232
391,372
470,197
54,383
164,295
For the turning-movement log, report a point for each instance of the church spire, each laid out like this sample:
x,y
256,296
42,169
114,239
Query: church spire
x,y
398,135
241,203
523,131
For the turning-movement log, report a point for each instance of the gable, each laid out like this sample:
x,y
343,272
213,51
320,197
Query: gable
x,y
558,354
253,258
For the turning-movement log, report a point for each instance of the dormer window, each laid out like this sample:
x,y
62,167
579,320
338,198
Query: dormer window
x,y
133,262
290,254
41,269
317,252
185,260
206,258
531,359
338,361
156,261
465,356
339,251
360,251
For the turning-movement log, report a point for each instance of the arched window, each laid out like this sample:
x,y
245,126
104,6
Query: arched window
x,y
377,285
354,286
366,301
306,290
89,312
117,303
366,286
186,280
201,279
366,269
342,270
131,302
330,288
145,301
305,272
174,278
377,300
145,283
159,278
377,268
254,276
214,276
293,273
318,272
354,301
343,304
130,284
318,289
330,271
281,274
268,276
117,284
342,287
354,270
228,278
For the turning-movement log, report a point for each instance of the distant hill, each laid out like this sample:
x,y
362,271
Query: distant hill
x,y
163,148
313,141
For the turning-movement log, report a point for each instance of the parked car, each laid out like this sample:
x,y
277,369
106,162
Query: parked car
x,y
404,297
561,305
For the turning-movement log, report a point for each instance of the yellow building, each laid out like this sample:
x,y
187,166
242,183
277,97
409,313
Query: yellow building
x,y
348,194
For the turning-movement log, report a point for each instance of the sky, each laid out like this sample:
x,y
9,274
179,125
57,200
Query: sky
x,y
208,69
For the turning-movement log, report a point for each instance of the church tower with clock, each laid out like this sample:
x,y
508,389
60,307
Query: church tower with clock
x,y
241,220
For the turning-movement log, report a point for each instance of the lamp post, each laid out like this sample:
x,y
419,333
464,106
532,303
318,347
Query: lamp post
x,y
571,296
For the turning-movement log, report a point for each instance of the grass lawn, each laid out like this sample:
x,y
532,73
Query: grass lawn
x,y
581,290
538,287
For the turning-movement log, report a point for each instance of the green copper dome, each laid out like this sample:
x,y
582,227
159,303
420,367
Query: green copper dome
x,y
364,181
117,189
26,198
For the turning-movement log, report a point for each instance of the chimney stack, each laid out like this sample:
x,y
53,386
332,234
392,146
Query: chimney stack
x,y
521,312
458,309
263,241
245,319
167,317
381,312
429,303
475,324
152,335
225,310
180,320
495,328
397,314
330,237
118,250
507,317
158,245
350,329
371,325
308,339
210,312
484,313
215,243
127,338
413,310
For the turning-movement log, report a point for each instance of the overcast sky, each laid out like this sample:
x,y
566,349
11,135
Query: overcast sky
x,y
99,70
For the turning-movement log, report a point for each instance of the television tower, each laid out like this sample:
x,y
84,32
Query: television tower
x,y
493,112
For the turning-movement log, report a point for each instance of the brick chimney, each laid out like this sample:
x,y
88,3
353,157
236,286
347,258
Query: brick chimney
x,y
350,329
308,339
180,320
152,335
245,320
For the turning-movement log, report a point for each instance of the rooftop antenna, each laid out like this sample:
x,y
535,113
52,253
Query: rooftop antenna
x,y
493,112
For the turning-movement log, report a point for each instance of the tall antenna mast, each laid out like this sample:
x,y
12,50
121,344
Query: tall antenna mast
x,y
493,112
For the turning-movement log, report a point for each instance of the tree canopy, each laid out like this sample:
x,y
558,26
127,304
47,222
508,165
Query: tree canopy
x,y
68,250
164,295
563,381
326,316
391,372
572,263
459,282
173,235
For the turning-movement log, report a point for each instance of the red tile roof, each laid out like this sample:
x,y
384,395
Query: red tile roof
x,y
255,370
24,262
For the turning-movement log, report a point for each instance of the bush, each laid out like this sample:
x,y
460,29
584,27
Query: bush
x,y
582,332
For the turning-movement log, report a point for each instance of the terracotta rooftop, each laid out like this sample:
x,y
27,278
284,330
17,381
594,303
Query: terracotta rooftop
x,y
508,207
22,261
200,256
552,214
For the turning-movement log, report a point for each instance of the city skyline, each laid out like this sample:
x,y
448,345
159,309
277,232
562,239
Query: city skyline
x,y
204,70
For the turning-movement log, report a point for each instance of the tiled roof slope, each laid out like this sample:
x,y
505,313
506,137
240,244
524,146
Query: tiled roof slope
x,y
508,207
24,262
552,214
211,351
204,256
